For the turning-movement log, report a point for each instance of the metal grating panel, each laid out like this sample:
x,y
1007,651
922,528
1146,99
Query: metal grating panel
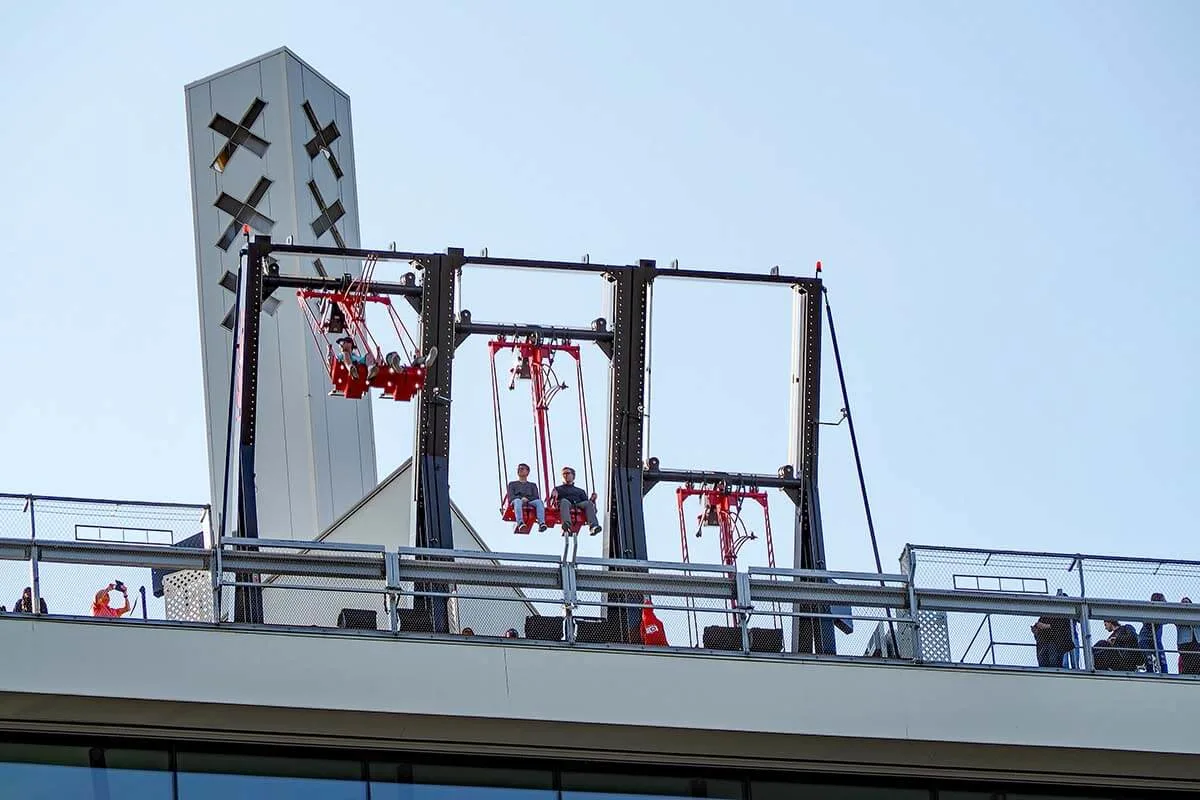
x,y
935,638
188,595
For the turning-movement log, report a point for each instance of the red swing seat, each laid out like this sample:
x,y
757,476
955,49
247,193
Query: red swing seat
x,y
350,386
553,517
402,384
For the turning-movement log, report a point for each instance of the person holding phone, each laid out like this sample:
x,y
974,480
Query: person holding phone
x,y
101,607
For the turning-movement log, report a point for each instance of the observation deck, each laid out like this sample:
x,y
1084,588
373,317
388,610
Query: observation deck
x,y
342,657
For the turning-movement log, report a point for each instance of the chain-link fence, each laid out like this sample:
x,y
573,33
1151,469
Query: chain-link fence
x,y
973,607
80,587
992,637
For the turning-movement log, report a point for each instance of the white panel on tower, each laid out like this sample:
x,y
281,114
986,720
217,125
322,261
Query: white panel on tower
x,y
271,147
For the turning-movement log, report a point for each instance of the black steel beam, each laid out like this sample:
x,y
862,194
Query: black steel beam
x,y
626,524
248,599
530,263
346,252
811,634
654,476
466,326
337,284
432,457
739,277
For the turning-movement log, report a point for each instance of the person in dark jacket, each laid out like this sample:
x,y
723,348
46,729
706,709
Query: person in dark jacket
x,y
1120,651
1150,640
1187,638
1054,640
25,604
569,496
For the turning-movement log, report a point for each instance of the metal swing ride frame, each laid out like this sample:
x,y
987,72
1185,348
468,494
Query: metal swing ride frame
x,y
623,339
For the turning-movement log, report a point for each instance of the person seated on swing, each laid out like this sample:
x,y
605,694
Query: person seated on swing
x,y
522,491
569,496
351,357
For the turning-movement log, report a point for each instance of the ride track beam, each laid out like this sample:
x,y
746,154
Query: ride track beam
x,y
813,284
344,252
273,281
655,475
687,274
465,327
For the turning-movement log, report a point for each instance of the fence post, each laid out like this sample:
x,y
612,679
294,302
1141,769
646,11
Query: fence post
x,y
567,568
35,583
1085,617
745,606
913,610
215,566
391,570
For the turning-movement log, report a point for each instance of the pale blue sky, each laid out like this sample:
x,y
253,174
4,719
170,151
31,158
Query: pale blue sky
x,y
1004,196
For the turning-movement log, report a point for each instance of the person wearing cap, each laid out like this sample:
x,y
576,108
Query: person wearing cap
x,y
511,633
350,356
522,491
569,496
1187,640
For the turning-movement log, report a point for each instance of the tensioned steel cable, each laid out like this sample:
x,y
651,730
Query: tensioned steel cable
x,y
862,482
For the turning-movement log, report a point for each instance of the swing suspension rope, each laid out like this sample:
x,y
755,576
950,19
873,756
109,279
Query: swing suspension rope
x,y
589,474
501,456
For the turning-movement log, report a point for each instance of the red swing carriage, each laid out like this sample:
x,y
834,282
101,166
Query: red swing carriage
x,y
337,316
721,508
533,361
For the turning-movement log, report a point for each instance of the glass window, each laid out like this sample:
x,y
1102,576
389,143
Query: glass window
x,y
213,776
1000,794
813,791
617,786
437,782
52,772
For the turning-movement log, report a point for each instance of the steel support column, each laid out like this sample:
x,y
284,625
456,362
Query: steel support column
x,y
247,605
432,446
626,525
809,635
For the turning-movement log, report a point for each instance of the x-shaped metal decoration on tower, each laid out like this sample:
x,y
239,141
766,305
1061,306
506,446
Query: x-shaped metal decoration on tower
x,y
327,219
245,213
238,135
322,139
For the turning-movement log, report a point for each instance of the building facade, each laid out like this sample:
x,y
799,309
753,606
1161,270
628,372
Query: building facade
x,y
271,147
198,713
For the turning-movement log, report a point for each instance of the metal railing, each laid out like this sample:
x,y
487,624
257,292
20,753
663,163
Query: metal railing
x,y
369,589
45,518
1003,635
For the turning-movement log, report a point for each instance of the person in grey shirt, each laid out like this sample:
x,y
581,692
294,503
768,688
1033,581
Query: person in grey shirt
x,y
569,496
522,491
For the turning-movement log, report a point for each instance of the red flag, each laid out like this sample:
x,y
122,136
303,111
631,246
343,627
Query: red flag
x,y
652,628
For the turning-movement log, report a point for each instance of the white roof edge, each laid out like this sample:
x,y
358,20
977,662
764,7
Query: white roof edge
x,y
284,50
383,484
